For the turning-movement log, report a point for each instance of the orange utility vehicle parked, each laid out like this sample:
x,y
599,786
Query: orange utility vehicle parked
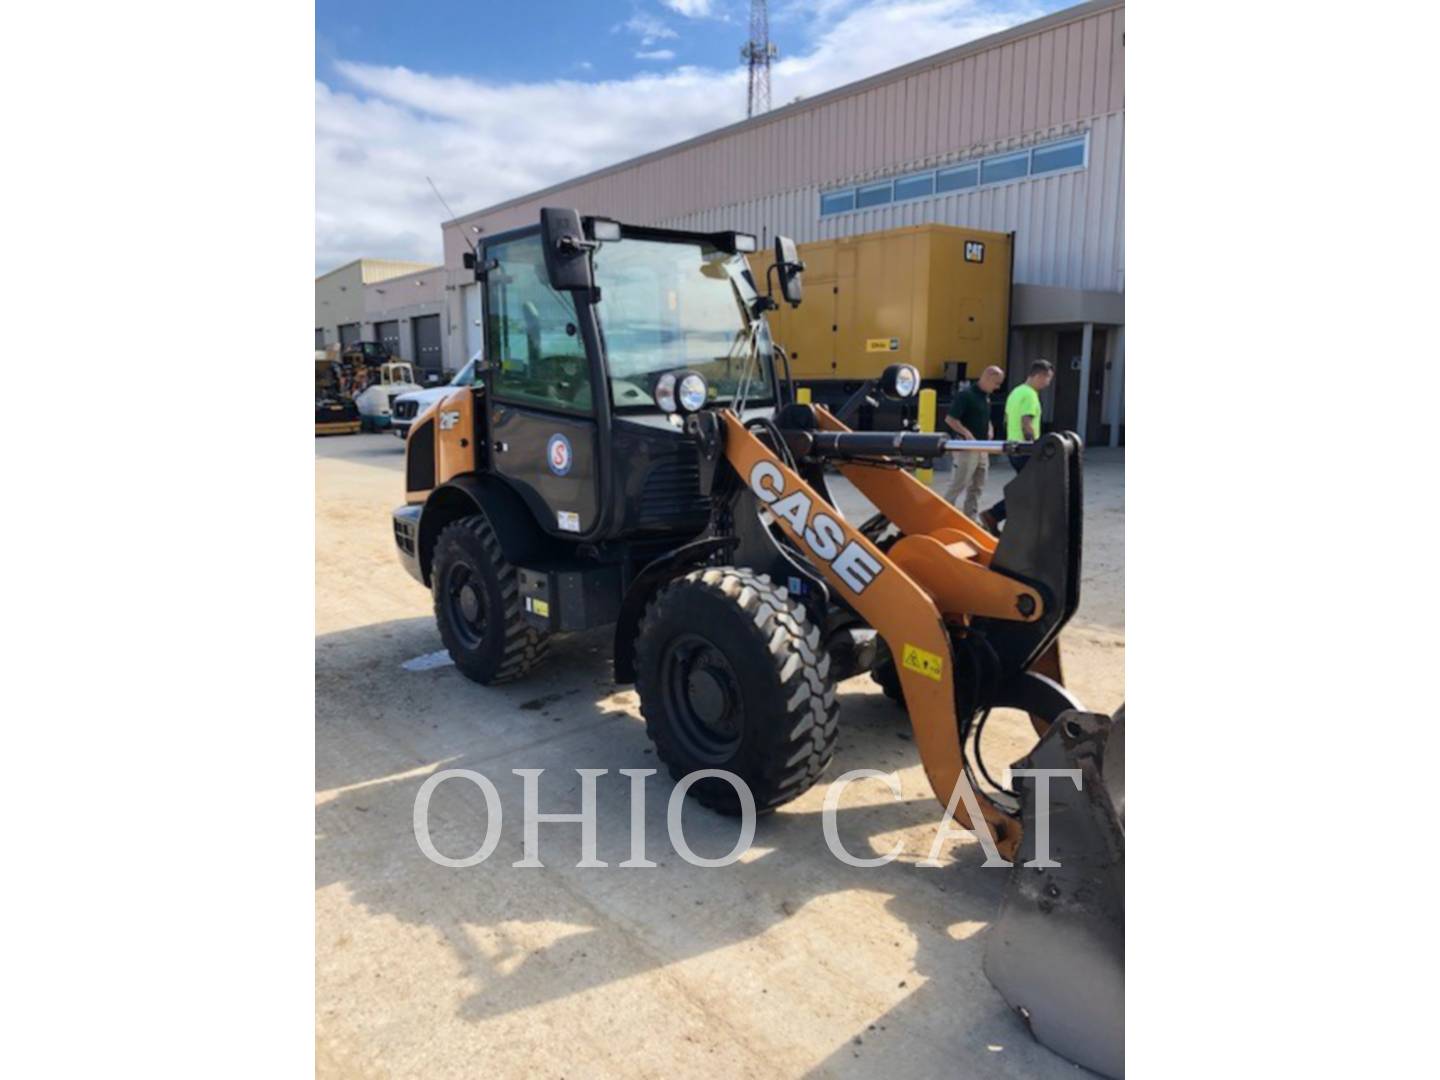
x,y
630,456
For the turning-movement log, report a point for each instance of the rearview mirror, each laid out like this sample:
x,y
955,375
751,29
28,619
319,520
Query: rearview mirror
x,y
789,266
567,252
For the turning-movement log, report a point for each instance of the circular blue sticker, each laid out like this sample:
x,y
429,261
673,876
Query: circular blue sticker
x,y
558,454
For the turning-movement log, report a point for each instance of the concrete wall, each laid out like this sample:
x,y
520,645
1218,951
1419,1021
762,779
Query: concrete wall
x,y
406,297
345,295
339,299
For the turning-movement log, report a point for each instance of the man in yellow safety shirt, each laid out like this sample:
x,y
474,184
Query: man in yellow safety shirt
x,y
1022,424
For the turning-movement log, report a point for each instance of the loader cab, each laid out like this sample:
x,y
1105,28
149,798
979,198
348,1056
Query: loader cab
x,y
591,327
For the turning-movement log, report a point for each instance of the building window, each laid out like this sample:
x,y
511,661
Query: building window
x,y
915,187
319,337
874,195
957,179
1052,157
1067,155
1010,167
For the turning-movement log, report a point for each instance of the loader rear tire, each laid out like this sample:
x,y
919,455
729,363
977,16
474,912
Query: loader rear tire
x,y
477,604
732,675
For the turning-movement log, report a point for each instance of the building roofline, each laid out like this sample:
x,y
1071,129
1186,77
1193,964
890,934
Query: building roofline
x,y
344,266
991,41
437,268
419,267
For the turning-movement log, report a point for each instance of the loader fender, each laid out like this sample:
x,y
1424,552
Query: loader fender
x,y
520,537
643,589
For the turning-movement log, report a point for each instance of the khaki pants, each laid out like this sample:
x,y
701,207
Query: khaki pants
x,y
968,475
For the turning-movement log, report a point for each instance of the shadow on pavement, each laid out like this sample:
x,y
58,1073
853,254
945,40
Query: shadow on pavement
x,y
381,731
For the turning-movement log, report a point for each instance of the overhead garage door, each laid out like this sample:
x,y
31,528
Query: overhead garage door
x,y
426,329
388,334
349,334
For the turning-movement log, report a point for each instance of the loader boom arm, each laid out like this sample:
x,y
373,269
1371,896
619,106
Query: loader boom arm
x,y
937,574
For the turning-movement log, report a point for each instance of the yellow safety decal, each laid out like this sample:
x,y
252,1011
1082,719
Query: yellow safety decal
x,y
882,344
925,663
542,608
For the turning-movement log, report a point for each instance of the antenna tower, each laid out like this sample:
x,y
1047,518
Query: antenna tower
x,y
758,52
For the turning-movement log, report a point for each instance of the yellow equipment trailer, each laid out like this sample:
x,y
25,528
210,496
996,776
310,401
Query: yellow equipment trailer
x,y
933,296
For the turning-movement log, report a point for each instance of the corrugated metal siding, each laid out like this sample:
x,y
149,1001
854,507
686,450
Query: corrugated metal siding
x,y
397,290
1064,77
1069,227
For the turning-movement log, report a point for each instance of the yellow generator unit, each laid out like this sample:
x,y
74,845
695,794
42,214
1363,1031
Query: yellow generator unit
x,y
934,296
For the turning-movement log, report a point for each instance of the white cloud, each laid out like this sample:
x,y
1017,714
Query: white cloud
x,y
692,9
647,28
656,54
381,130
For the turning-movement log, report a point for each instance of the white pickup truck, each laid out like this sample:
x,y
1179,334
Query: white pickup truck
x,y
405,408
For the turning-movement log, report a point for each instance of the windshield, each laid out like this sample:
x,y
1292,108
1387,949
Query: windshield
x,y
666,306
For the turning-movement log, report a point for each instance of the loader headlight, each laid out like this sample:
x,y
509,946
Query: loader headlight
x,y
604,229
692,392
665,392
900,381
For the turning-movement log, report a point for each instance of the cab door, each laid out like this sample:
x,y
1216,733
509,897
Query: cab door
x,y
542,417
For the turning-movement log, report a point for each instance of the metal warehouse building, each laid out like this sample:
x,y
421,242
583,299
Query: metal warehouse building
x,y
401,304
1022,131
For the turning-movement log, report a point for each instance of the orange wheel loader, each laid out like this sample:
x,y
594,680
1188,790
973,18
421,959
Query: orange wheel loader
x,y
631,455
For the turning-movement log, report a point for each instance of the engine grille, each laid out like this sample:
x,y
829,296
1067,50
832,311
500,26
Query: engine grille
x,y
404,410
672,493
405,537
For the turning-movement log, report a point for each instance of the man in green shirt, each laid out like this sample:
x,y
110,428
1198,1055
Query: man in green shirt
x,y
1022,424
969,418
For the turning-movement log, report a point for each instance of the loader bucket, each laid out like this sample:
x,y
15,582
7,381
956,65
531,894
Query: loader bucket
x,y
1057,951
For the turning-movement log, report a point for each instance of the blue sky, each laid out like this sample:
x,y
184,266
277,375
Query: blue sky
x,y
494,98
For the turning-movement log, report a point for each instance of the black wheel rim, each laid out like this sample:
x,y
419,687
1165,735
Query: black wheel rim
x,y
468,604
702,695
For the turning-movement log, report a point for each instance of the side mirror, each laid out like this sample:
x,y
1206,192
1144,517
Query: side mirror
x,y
789,267
567,252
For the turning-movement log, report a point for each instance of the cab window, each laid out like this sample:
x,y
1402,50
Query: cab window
x,y
531,335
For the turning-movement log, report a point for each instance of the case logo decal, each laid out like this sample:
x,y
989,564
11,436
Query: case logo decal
x,y
558,454
921,661
449,419
818,531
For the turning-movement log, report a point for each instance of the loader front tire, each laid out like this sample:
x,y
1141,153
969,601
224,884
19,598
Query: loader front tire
x,y
477,604
732,675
